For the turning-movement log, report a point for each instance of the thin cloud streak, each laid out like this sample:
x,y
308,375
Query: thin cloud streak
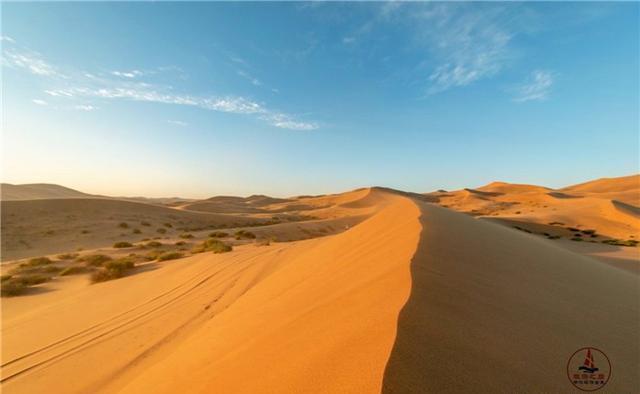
x,y
536,88
88,85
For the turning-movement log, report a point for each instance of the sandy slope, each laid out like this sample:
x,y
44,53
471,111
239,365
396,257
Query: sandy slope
x,y
38,191
317,315
39,227
416,298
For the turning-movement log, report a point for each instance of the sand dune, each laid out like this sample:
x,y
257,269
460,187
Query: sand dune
x,y
39,227
605,205
38,191
414,298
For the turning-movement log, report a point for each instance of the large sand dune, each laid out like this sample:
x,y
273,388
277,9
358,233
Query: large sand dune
x,y
414,299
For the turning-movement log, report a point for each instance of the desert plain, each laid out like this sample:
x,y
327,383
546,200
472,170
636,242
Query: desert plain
x,y
485,289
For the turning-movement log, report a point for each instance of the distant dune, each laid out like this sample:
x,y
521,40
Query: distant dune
x,y
38,191
413,298
605,205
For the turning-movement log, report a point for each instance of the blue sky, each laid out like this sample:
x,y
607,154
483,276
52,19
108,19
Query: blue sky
x,y
199,99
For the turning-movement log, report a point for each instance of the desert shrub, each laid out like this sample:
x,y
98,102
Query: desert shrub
x,y
85,232
244,234
169,256
12,288
136,231
578,239
169,225
34,279
122,244
162,230
218,234
180,243
264,242
553,237
37,261
147,224
73,270
121,264
67,256
153,255
154,244
216,246
4,278
113,269
620,242
123,225
197,249
575,230
95,260
186,236
556,223
588,232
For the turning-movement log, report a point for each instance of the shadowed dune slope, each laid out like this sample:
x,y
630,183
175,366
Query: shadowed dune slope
x,y
495,310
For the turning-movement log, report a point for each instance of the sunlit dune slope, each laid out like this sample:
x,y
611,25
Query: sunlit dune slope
x,y
311,316
609,206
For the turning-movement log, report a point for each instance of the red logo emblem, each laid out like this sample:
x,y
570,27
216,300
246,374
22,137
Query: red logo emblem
x,y
589,369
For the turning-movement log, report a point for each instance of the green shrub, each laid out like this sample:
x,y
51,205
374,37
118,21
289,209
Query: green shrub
x,y
169,256
162,230
186,236
30,280
39,261
121,264
578,239
122,244
216,246
243,234
218,234
12,288
123,225
113,269
153,255
620,242
95,260
67,256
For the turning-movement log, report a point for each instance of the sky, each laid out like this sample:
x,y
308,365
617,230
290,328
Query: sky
x,y
201,99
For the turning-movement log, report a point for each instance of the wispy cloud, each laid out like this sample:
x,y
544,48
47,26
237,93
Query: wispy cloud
x,y
32,62
250,78
178,123
85,107
126,86
459,43
7,39
536,87
128,74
